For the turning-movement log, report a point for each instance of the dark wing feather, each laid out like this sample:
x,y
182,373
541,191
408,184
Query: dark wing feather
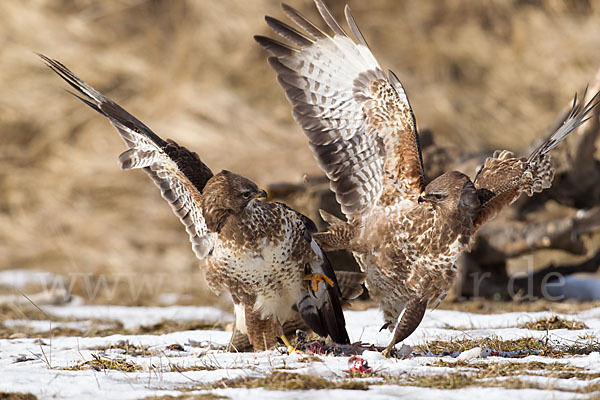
x,y
322,310
504,177
358,119
178,172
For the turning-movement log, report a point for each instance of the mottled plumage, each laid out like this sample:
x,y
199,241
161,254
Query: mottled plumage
x,y
362,131
263,253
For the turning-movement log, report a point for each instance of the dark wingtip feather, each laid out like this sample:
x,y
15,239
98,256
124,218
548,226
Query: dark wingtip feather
x,y
354,27
96,100
273,46
578,115
328,318
333,313
86,101
65,73
328,17
303,22
289,33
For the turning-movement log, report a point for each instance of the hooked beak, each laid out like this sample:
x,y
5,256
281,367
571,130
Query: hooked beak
x,y
423,197
262,194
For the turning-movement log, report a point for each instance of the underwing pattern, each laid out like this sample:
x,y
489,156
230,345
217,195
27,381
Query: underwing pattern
x,y
362,131
260,252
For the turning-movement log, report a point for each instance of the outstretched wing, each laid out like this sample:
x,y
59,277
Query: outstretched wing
x,y
504,177
178,172
357,119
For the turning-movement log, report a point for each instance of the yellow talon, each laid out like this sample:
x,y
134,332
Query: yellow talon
x,y
290,349
316,278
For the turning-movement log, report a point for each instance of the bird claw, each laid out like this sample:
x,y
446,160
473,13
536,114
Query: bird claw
x,y
316,278
385,326
387,352
292,350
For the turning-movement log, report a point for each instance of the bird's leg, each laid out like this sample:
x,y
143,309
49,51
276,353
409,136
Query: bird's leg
x,y
290,349
316,278
262,333
279,329
411,318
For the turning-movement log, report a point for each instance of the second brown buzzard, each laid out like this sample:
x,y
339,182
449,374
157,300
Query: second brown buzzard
x,y
362,131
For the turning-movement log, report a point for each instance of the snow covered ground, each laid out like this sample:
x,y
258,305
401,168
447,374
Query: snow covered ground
x,y
186,362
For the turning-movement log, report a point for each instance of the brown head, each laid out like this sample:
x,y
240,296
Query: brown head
x,y
452,192
227,194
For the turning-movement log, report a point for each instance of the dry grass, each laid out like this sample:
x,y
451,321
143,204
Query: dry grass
x,y
545,347
17,396
554,322
459,380
115,328
101,363
501,369
482,76
509,375
495,343
288,381
494,307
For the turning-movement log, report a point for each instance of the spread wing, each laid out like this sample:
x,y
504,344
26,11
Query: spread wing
x,y
357,118
178,172
504,177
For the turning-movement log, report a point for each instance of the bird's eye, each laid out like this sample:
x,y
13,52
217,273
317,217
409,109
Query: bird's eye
x,y
437,196
246,194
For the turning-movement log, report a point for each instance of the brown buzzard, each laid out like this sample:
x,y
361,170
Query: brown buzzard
x,y
263,253
362,131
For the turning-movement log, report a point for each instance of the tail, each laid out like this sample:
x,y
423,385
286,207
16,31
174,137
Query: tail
x,y
350,284
539,164
338,234
576,117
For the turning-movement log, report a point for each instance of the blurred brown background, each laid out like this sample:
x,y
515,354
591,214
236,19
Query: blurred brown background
x,y
481,75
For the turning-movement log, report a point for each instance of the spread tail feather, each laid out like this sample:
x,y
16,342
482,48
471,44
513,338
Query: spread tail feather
x,y
576,117
330,218
350,283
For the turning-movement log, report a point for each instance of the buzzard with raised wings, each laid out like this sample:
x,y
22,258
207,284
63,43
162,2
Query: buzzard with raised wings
x,y
362,131
263,253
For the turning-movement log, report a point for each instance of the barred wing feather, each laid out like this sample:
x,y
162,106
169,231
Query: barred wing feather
x,y
179,173
357,118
